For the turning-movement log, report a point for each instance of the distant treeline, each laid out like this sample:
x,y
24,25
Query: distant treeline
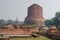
x,y
5,22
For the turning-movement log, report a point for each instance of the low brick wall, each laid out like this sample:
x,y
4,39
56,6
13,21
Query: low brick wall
x,y
18,36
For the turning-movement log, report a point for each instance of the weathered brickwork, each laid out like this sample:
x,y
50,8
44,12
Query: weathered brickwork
x,y
35,15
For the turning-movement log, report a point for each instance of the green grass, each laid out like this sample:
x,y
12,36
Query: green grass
x,y
38,38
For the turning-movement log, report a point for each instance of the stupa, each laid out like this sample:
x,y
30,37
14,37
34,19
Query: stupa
x,y
35,15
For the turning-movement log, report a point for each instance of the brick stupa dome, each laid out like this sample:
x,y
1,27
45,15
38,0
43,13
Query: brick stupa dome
x,y
35,15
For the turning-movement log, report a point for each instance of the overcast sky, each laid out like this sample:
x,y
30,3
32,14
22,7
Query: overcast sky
x,y
10,9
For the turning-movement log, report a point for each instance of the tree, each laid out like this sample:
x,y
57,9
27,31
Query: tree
x,y
57,19
48,22
10,22
57,14
2,22
54,21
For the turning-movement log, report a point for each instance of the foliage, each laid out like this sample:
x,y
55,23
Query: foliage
x,y
10,22
33,25
54,21
2,22
57,19
57,14
48,22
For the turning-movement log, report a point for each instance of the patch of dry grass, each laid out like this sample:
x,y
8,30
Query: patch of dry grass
x,y
38,38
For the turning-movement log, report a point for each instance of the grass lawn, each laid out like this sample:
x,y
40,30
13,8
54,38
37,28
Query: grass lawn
x,y
38,38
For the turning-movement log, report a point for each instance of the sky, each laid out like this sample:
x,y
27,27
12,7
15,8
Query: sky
x,y
12,9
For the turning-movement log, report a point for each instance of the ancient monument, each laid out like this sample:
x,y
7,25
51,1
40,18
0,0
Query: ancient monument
x,y
35,15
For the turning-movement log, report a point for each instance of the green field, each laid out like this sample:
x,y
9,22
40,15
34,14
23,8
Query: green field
x,y
38,38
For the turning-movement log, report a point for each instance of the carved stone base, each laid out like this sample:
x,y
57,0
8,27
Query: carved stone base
x,y
36,21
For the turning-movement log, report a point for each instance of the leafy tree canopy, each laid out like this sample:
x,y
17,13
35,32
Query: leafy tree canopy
x,y
57,14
